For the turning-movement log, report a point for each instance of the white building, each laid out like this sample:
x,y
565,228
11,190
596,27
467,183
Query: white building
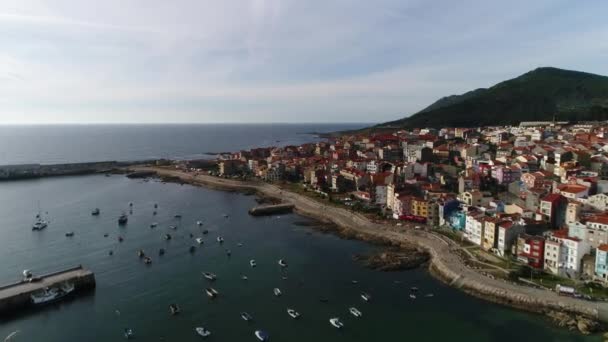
x,y
473,229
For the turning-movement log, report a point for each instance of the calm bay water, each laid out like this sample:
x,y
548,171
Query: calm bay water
x,y
50,144
320,265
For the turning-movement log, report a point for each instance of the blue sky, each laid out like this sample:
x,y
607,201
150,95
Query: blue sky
x,y
74,61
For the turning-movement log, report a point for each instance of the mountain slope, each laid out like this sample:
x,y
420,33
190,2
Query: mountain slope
x,y
538,95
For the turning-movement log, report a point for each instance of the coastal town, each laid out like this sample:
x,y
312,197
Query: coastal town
x,y
528,202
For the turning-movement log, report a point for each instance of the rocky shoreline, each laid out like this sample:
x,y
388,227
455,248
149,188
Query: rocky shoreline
x,y
393,259
334,222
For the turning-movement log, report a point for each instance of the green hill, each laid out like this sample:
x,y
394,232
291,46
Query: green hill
x,y
539,95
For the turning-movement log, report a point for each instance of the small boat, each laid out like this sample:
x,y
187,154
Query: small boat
x,y
205,232
412,296
202,331
192,249
428,295
191,235
210,276
199,241
106,235
173,227
167,236
122,220
220,239
154,213
111,253
130,204
211,292
335,321
277,292
252,263
95,212
120,239
244,277
69,234
128,333
293,313
247,317
147,260
178,216
161,251
225,215
262,335
140,253
174,309
40,224
239,244
155,205
228,252
366,297
282,263
355,282
355,312
199,223
153,225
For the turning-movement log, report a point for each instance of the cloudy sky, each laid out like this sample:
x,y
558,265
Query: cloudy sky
x,y
151,61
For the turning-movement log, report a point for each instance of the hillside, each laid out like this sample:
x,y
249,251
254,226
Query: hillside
x,y
538,95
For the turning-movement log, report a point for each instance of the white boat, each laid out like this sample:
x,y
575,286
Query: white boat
x,y
277,292
199,241
211,292
27,274
428,295
240,244
262,335
412,296
335,321
245,316
173,227
202,331
40,224
128,333
355,312
282,263
293,313
153,225
220,239
252,263
209,276
199,223
48,295
244,277
366,297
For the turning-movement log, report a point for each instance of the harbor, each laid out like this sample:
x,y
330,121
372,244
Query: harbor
x,y
22,294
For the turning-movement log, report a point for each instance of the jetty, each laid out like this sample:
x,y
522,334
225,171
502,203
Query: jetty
x,y
17,296
271,209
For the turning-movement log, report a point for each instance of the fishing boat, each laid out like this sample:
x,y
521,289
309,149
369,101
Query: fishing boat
x,y
365,296
40,223
355,312
49,295
211,292
199,241
220,239
128,333
293,313
174,309
95,212
202,331
247,317
69,234
335,321
262,335
122,219
277,292
252,263
209,276
282,263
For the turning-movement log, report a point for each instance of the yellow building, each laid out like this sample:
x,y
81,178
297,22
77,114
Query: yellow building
x,y
420,207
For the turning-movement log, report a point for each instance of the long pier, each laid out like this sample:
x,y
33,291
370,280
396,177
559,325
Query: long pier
x,y
16,296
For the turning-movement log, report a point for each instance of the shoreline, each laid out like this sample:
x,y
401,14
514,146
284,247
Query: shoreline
x,y
444,264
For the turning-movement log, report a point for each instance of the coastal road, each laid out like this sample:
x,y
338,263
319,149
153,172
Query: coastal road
x,y
444,260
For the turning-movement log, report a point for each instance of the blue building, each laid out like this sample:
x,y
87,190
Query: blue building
x,y
601,262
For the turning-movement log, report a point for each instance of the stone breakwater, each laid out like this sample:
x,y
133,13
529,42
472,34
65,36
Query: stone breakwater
x,y
444,262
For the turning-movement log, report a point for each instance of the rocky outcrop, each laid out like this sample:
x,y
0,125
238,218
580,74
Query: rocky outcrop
x,y
573,322
395,260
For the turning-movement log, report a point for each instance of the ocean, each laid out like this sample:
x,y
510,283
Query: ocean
x,y
131,294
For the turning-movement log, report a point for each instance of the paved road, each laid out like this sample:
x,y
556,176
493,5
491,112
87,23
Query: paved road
x,y
441,248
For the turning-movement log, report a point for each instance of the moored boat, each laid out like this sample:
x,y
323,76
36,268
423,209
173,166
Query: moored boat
x,y
277,292
202,331
252,263
123,219
49,295
293,313
69,234
365,296
209,276
220,239
199,223
355,312
335,321
128,333
167,236
211,292
282,263
245,316
153,225
262,335
95,212
174,309
199,241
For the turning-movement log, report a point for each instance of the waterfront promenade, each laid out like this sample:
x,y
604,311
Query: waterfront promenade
x,y
445,263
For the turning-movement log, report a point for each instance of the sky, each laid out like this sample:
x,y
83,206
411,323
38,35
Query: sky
x,y
183,61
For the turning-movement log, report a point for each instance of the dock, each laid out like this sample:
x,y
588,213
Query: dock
x,y
271,209
16,296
